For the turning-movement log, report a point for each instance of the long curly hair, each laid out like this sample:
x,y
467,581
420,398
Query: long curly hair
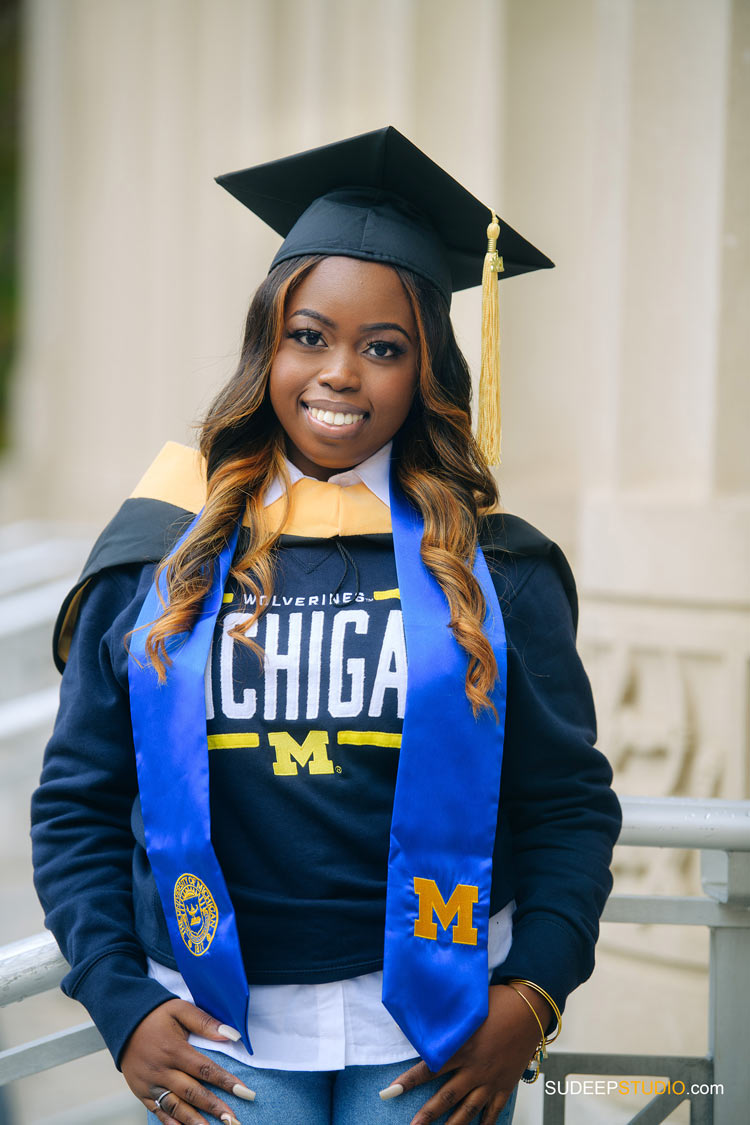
x,y
438,463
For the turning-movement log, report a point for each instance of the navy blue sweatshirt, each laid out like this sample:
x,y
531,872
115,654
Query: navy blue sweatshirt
x,y
302,780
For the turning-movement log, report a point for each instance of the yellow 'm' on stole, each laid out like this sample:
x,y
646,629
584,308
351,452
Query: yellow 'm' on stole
x,y
460,903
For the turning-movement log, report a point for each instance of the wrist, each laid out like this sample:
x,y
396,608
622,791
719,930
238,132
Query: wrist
x,y
528,1024
550,1008
539,1004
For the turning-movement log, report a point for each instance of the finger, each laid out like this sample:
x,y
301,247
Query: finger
x,y
159,1095
466,1101
415,1076
206,1070
186,1095
470,1107
162,1116
177,1109
194,1095
494,1108
448,1097
167,1116
201,1023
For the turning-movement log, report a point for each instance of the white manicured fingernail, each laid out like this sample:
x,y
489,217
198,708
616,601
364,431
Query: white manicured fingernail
x,y
245,1092
229,1032
228,1119
391,1091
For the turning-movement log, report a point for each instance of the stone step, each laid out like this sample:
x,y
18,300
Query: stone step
x,y
25,563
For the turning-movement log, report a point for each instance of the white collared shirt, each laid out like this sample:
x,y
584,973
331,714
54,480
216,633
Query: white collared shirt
x,y
374,472
341,1023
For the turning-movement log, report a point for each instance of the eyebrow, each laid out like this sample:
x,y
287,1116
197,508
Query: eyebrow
x,y
315,316
379,327
385,325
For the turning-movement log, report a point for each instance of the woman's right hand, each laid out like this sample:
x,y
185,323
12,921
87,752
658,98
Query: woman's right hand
x,y
158,1057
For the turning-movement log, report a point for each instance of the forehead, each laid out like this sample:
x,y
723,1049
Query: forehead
x,y
368,290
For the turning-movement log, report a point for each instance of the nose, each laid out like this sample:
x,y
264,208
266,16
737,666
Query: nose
x,y
341,371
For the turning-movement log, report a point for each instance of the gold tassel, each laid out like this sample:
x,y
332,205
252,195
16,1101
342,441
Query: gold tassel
x,y
488,422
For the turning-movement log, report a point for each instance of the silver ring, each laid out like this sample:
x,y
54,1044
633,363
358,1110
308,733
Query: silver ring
x,y
160,1099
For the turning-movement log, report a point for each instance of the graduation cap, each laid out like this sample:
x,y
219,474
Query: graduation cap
x,y
378,197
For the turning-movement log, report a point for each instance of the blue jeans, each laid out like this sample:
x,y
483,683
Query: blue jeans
x,y
329,1097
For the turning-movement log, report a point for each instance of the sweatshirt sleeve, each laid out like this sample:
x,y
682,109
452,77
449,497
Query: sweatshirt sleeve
x,y
563,815
82,842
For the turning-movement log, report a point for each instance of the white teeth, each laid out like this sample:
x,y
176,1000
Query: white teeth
x,y
337,419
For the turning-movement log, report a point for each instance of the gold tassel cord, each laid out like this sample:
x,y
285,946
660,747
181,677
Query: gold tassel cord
x,y
489,421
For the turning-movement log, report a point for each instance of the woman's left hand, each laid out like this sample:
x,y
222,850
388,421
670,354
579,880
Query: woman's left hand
x,y
489,1064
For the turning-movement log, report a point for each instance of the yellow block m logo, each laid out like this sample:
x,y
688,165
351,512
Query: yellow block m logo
x,y
460,903
312,753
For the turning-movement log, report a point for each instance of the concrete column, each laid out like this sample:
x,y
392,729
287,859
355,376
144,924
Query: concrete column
x,y
550,76
669,512
664,519
664,536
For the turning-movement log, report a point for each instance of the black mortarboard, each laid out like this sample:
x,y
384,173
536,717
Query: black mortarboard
x,y
377,196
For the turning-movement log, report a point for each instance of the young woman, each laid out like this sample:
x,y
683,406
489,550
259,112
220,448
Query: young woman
x,y
295,883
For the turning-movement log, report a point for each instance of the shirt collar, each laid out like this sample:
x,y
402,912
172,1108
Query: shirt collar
x,y
373,473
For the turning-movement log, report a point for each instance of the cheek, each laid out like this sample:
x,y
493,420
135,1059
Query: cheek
x,y
404,396
281,384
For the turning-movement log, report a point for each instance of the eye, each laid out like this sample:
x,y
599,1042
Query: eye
x,y
384,349
309,337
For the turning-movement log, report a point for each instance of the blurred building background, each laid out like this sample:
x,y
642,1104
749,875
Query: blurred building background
x,y
614,135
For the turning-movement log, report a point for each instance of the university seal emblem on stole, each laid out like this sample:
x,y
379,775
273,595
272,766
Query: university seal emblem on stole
x,y
197,915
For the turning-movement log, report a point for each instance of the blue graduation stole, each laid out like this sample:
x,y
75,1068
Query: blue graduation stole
x,y
444,815
171,753
435,970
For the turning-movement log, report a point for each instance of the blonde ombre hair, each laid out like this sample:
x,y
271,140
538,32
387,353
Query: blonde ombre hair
x,y
438,464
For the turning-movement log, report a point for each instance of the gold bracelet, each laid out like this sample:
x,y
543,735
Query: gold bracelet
x,y
531,1073
550,1001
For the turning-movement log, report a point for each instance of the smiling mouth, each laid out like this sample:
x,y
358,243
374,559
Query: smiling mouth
x,y
335,418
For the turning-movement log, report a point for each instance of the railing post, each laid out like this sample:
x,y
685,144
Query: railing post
x,y
729,988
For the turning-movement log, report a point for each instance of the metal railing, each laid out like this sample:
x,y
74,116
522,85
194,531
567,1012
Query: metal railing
x,y
717,1086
